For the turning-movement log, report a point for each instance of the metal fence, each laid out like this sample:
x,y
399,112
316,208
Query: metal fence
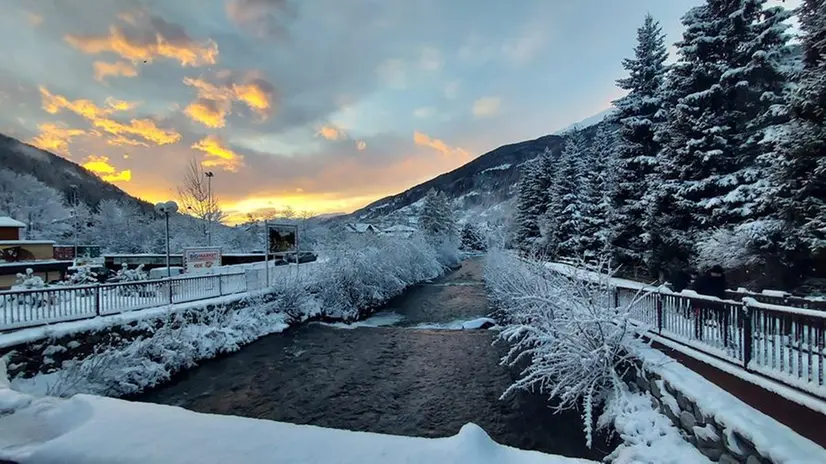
x,y
30,308
784,343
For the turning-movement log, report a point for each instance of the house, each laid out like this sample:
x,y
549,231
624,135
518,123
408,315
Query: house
x,y
10,228
361,228
399,231
17,255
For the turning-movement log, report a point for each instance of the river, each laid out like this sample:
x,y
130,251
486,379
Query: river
x,y
397,379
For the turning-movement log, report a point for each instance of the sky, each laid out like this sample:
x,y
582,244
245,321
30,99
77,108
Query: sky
x,y
318,105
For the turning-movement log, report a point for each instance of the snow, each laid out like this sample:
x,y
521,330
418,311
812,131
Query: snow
x,y
27,242
771,438
90,429
382,319
473,324
587,122
501,167
6,221
40,262
647,435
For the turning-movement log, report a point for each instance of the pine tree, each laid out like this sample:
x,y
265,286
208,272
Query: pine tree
x,y
637,113
472,239
532,201
722,101
600,182
436,217
563,219
801,199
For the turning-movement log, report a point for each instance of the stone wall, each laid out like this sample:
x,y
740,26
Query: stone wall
x,y
714,440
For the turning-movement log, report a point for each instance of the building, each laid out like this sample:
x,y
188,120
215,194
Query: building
x,y
399,231
361,228
17,255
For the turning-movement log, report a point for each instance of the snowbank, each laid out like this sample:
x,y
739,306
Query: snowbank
x,y
473,324
90,429
771,438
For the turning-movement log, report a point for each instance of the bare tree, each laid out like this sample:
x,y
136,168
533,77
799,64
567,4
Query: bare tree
x,y
196,196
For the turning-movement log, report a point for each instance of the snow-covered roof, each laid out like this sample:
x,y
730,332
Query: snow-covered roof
x,y
6,221
400,228
26,242
362,227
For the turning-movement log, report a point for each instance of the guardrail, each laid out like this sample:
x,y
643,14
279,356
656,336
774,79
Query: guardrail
x,y
36,307
784,343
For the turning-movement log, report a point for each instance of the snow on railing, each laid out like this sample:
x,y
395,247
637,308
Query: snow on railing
x,y
35,307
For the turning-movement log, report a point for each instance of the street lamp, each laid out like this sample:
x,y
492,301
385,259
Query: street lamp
x,y
76,226
209,175
167,208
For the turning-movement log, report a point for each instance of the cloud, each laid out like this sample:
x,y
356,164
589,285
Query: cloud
x,y
262,17
424,113
101,167
524,48
451,90
431,59
214,102
218,154
148,38
330,132
361,145
422,139
104,69
55,138
487,106
33,19
393,73
146,129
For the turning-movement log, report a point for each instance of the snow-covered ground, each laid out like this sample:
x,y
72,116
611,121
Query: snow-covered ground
x,y
90,429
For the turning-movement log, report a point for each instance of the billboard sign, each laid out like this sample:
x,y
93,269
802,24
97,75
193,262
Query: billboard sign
x,y
201,260
282,238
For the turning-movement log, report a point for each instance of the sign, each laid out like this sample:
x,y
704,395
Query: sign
x,y
88,255
282,238
201,260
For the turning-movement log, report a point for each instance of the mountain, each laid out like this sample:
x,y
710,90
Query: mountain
x,y
482,190
60,173
587,122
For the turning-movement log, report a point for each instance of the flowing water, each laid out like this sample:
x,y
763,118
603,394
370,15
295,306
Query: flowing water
x,y
396,378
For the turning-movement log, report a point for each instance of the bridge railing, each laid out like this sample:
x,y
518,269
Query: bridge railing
x,y
784,343
37,307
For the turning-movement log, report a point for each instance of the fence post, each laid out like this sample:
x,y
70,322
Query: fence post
x,y
659,312
97,299
748,335
616,297
220,284
169,289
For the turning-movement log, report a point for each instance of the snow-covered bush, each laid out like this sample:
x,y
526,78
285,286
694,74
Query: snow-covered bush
x,y
741,246
28,281
83,275
565,327
362,272
125,274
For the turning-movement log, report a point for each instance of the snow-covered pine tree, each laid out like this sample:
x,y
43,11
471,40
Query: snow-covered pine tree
x,y
600,180
722,98
472,239
637,113
532,201
436,216
566,209
801,199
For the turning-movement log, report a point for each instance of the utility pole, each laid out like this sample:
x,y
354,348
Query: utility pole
x,y
170,207
76,225
211,208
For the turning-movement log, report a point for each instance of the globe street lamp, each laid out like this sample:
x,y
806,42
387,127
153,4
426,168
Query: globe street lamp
x,y
209,175
167,208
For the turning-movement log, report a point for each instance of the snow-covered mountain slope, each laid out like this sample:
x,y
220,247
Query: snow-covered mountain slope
x,y
587,122
482,190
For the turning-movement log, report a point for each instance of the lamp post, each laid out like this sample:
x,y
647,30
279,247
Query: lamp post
x,y
75,225
209,175
167,208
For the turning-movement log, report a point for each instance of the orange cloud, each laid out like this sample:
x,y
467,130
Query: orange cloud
x,y
207,112
98,117
330,132
218,154
424,140
55,138
214,102
119,140
118,68
146,49
101,167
